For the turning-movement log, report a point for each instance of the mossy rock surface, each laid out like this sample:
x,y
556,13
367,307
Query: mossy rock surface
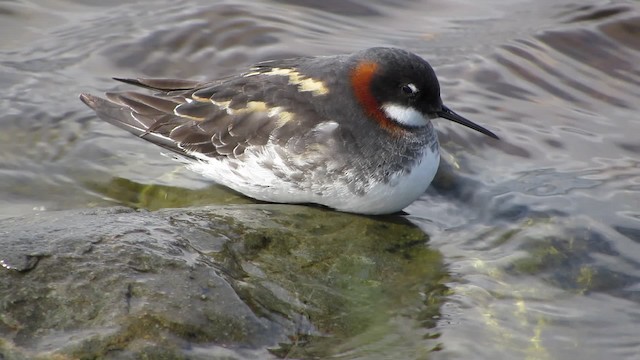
x,y
238,281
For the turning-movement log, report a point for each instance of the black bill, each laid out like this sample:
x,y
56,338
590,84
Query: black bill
x,y
448,114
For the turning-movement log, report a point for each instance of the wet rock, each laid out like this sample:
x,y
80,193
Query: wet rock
x,y
244,281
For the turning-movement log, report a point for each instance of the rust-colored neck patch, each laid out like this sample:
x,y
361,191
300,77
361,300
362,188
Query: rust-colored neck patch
x,y
361,78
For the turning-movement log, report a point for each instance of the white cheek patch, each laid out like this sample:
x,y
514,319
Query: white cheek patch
x,y
404,115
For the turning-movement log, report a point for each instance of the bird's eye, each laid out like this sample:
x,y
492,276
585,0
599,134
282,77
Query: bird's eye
x,y
409,90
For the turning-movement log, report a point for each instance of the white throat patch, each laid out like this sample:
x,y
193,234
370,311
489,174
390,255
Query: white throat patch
x,y
404,115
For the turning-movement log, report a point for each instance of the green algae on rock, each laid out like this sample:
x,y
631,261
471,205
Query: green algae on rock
x,y
246,280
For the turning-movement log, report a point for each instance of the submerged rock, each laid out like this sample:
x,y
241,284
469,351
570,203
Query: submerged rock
x,y
243,281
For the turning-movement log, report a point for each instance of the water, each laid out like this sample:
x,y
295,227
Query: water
x,y
540,231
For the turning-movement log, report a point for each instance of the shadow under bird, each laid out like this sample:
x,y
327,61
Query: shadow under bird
x,y
351,132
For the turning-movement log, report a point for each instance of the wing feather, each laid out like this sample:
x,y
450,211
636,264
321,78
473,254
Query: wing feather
x,y
216,119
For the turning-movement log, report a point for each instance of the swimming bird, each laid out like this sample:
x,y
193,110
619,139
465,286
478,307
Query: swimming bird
x,y
351,132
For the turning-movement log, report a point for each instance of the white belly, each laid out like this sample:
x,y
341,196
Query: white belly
x,y
250,177
394,196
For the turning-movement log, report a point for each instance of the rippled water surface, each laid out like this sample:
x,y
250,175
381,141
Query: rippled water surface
x,y
540,231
